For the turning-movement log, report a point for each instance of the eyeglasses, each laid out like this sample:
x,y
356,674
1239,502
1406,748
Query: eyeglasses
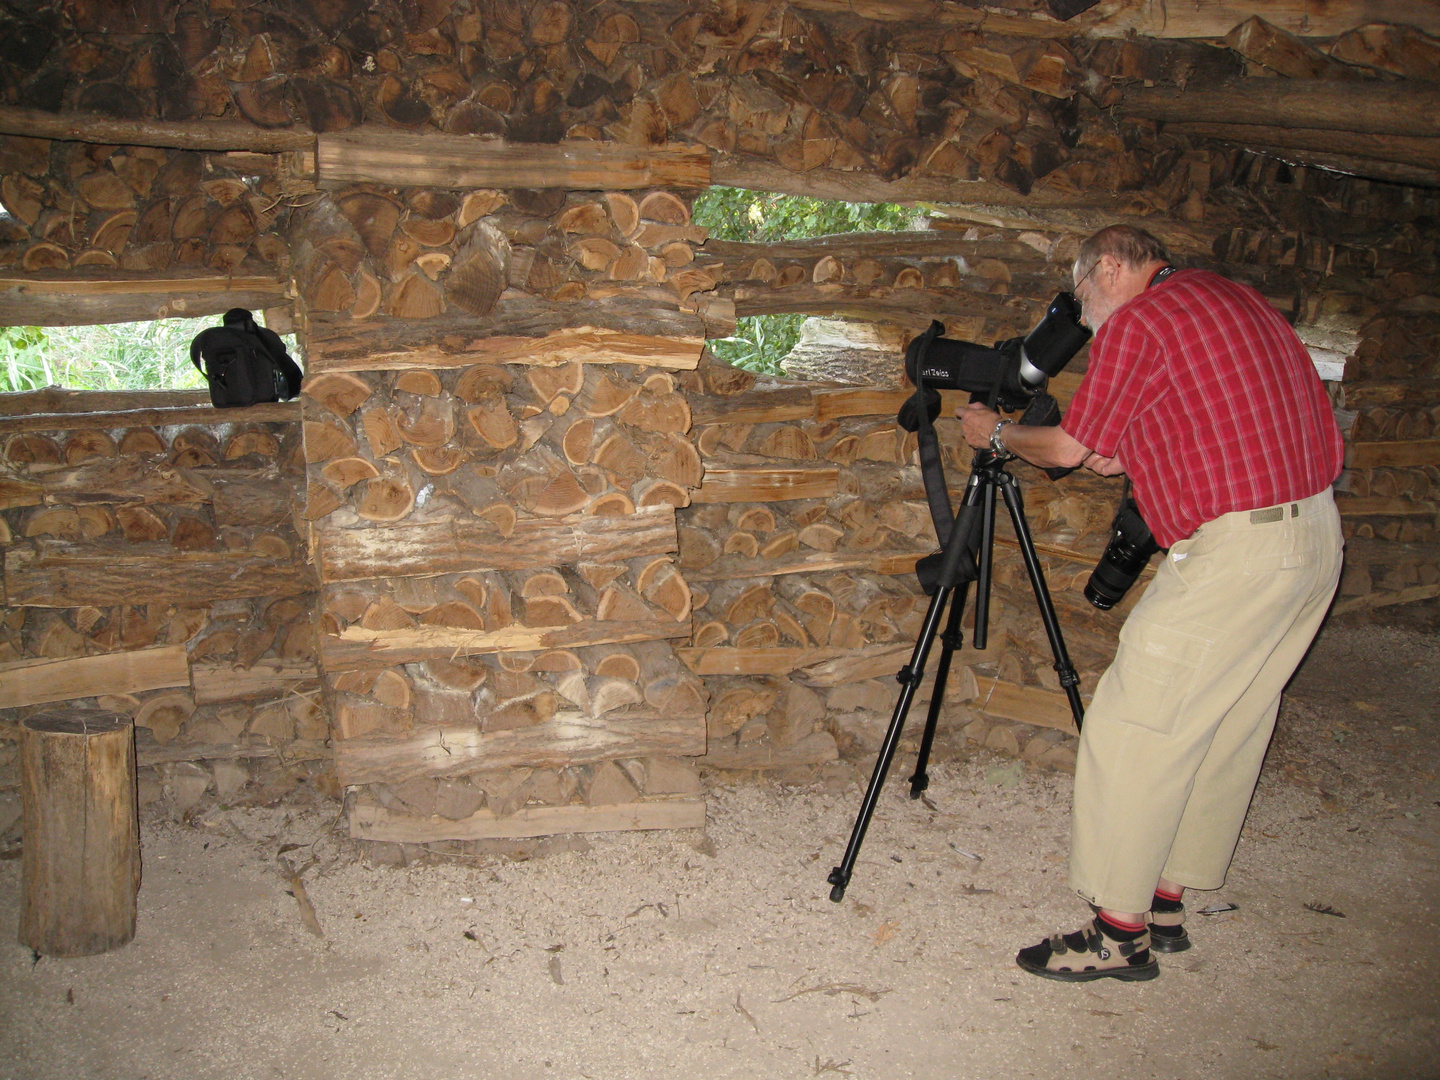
x,y
1076,290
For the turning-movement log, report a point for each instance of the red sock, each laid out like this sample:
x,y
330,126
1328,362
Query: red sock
x,y
1122,930
1166,894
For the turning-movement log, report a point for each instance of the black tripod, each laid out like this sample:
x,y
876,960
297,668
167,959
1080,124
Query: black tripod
x,y
967,557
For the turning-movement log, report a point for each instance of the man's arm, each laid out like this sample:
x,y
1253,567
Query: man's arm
x,y
1047,447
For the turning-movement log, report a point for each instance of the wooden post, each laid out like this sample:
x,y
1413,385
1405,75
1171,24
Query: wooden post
x,y
80,869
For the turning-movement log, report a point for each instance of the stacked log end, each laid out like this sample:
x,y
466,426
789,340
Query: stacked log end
x,y
492,511
158,569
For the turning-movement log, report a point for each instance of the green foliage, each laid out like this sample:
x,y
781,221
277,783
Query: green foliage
x,y
119,356
760,217
762,341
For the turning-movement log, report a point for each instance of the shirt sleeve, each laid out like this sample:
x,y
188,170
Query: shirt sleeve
x,y
1122,361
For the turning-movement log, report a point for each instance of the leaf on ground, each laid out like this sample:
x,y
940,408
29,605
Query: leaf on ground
x,y
831,989
885,932
1324,909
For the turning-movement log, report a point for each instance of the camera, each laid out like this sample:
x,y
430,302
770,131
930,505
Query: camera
x,y
1008,375
1130,547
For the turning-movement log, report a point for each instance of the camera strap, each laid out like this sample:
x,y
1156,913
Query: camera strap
x,y
921,410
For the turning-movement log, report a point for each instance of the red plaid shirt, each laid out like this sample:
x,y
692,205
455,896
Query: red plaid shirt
x,y
1210,401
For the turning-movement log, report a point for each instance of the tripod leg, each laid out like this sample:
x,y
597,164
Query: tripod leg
x,y
949,642
909,678
1069,679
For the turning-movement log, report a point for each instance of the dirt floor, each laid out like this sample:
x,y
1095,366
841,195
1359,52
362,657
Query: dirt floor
x,y
719,954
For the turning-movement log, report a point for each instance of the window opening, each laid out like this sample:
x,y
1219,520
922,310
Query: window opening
x,y
761,342
153,355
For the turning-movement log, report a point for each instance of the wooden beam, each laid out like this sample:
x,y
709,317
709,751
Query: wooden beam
x,y
766,485
1393,455
431,159
415,549
371,822
730,660
568,738
889,563
1367,168
1027,704
731,170
149,752
1424,153
267,677
769,406
1204,19
277,412
34,682
920,244
176,134
357,648
1405,108
837,404
814,749
55,574
913,308
74,300
56,399
521,330
1213,19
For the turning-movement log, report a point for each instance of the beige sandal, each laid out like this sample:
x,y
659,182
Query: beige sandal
x,y
1088,954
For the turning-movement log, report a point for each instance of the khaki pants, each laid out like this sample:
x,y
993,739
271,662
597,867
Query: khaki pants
x,y
1173,740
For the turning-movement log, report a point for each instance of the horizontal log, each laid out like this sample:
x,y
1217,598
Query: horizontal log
x,y
766,485
733,170
888,563
103,572
357,648
1403,108
916,244
413,549
149,752
770,406
1413,594
1411,150
520,330
57,399
370,822
34,682
1376,506
274,412
268,677
1393,455
913,308
1027,704
1181,238
430,159
568,738
1216,18
815,749
86,301
178,135
1210,20
729,660
838,404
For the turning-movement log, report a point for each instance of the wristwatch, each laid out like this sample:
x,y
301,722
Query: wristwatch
x,y
997,444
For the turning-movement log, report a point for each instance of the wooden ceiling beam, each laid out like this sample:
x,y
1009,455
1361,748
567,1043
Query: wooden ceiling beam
x,y
1406,108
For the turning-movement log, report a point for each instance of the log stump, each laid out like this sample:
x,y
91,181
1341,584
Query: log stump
x,y
80,865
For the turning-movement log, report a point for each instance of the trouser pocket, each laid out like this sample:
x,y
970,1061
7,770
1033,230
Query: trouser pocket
x,y
1154,673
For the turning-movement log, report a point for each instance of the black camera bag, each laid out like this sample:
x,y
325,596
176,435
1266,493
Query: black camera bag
x,y
244,363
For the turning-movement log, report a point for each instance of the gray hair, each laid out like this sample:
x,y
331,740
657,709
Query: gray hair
x,y
1129,245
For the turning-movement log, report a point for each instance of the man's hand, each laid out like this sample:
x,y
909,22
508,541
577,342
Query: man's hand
x,y
1048,447
1105,466
977,422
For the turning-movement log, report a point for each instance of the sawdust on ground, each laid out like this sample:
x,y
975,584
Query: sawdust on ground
x,y
719,954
